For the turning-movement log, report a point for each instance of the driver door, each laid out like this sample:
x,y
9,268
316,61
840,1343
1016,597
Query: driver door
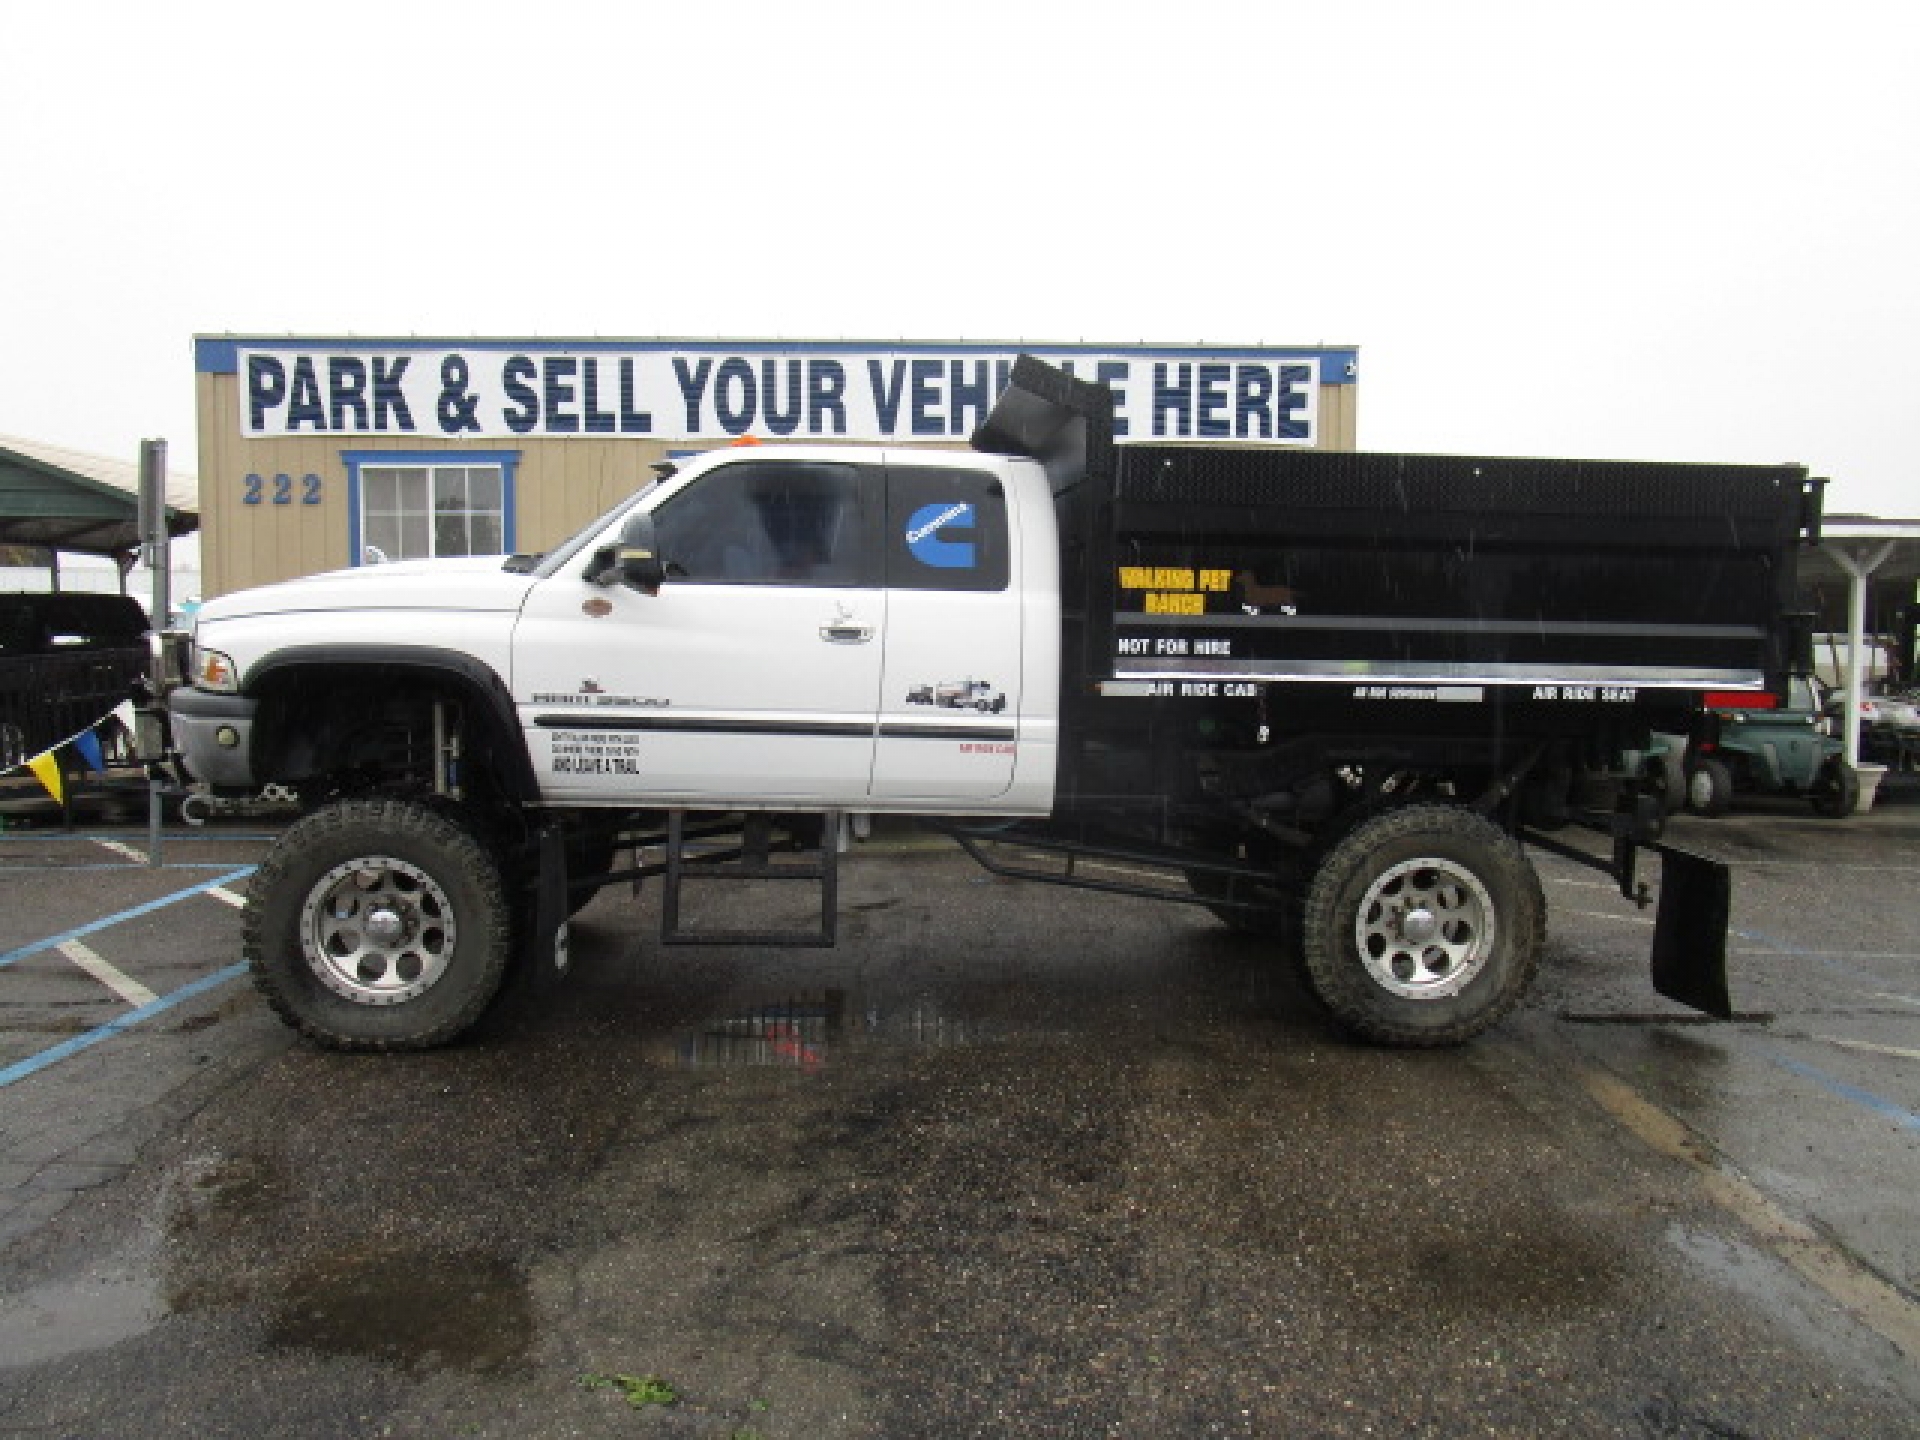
x,y
753,675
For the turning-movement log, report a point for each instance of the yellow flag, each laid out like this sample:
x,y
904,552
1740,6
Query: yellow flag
x,y
47,766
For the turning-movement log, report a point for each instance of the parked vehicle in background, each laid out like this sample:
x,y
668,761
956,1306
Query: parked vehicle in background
x,y
1744,743
1662,768
67,658
1889,727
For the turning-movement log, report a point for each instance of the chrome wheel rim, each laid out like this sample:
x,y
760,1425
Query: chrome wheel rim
x,y
378,931
1425,929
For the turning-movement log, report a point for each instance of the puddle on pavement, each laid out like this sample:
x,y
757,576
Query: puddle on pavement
x,y
809,1031
419,1311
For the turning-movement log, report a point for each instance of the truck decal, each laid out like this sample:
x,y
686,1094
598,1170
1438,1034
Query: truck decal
x,y
597,698
926,543
959,695
595,752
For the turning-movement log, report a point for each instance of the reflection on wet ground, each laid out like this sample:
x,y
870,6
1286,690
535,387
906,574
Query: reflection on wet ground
x,y
809,1031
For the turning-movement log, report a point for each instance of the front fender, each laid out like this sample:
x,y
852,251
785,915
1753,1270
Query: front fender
x,y
489,701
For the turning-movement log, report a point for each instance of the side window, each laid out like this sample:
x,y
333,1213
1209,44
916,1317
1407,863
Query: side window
x,y
946,529
776,522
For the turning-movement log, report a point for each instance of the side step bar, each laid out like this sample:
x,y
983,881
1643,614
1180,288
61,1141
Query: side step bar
x,y
744,852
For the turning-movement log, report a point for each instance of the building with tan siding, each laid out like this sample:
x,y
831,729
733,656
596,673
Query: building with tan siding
x,y
324,452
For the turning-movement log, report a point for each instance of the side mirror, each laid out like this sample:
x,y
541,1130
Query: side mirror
x,y
635,561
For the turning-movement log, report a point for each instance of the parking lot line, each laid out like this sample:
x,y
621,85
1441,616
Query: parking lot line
x,y
1870,1048
1887,1109
33,1064
1913,1000
1858,1290
96,965
1825,865
53,942
1610,915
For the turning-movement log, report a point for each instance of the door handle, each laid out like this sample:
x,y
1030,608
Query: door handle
x,y
846,634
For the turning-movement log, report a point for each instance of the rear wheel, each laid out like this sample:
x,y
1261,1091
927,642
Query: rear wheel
x,y
1423,927
378,925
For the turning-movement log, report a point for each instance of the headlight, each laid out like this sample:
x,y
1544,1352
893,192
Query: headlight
x,y
213,671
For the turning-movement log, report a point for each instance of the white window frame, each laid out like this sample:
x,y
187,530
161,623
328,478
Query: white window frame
x,y
358,462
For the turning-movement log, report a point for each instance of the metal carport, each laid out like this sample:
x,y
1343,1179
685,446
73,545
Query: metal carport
x,y
1866,555
58,499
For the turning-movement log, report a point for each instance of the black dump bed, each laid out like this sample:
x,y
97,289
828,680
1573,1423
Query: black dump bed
x,y
1380,576
1299,565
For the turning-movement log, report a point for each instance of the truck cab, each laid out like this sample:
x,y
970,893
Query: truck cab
x,y
810,601
801,649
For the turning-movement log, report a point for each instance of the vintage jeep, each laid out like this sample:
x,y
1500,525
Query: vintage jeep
x,y
1781,750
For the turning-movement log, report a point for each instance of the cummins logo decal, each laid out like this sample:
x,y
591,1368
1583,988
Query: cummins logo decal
x,y
928,543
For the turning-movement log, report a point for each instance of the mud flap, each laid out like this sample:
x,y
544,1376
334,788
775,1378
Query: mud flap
x,y
547,944
1690,931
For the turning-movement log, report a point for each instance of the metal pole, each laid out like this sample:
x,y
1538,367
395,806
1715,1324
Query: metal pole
x,y
154,546
1859,569
153,527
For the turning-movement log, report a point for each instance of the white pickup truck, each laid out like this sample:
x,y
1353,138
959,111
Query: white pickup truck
x,y
1330,693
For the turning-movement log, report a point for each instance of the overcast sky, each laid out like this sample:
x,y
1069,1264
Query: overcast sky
x,y
1652,230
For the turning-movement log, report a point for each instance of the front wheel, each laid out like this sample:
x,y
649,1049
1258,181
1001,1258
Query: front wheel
x,y
378,925
1836,792
1709,788
1423,927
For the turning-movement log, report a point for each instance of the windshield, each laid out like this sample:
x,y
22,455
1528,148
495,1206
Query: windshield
x,y
555,558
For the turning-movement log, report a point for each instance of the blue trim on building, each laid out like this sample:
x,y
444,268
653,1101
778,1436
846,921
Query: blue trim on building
x,y
507,460
220,354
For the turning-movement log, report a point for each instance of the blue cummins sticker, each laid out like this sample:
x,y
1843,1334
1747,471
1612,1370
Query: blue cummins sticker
x,y
924,536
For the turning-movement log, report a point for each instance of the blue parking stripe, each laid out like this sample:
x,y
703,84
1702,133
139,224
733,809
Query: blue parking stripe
x,y
1898,1114
54,941
21,1069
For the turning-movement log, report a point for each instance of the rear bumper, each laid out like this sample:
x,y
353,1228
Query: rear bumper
x,y
214,734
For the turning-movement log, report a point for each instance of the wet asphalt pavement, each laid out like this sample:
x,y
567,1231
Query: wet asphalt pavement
x,y
1010,1161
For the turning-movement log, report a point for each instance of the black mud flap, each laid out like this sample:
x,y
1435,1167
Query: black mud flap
x,y
546,953
1690,931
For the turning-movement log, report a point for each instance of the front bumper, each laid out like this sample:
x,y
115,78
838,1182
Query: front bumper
x,y
214,734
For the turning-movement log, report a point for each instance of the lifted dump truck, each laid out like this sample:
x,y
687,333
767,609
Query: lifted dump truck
x,y
1331,695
